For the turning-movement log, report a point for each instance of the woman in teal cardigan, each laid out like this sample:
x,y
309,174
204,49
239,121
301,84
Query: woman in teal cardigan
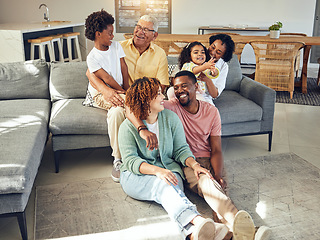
x,y
156,175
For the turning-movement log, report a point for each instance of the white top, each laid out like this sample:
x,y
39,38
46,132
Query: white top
x,y
108,60
219,81
154,128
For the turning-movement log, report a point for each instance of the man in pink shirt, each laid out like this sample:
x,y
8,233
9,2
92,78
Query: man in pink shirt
x,y
202,126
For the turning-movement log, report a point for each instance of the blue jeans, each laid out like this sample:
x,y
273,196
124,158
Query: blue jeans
x,y
172,198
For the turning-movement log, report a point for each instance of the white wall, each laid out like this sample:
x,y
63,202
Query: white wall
x,y
296,15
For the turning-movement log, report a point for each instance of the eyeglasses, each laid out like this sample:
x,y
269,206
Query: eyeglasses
x,y
145,30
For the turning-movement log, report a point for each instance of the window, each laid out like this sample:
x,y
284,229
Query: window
x,y
128,13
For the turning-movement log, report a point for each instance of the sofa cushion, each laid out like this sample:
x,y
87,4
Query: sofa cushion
x,y
234,76
68,80
28,79
69,116
23,130
234,108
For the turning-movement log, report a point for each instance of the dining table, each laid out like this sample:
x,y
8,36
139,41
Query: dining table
x,y
172,39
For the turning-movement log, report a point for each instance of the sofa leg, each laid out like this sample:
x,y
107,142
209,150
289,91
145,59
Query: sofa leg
x,y
270,141
57,160
23,225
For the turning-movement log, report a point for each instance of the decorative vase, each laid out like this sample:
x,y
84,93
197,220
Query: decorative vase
x,y
274,33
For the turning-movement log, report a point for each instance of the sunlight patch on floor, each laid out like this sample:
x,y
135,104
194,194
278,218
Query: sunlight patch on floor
x,y
261,209
165,230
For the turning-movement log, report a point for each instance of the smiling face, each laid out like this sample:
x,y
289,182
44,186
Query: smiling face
x,y
156,104
143,38
104,38
198,54
217,49
185,90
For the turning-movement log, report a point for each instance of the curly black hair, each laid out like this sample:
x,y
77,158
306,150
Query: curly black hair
x,y
227,41
97,21
185,55
140,94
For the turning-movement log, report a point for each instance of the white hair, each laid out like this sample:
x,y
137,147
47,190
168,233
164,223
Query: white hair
x,y
151,19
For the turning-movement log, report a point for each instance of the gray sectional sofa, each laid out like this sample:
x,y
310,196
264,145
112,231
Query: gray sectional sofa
x,y
24,115
27,115
246,107
72,125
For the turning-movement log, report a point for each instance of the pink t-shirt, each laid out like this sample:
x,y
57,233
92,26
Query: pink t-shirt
x,y
198,127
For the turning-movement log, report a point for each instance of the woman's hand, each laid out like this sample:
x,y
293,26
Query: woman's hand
x,y
167,176
213,90
198,170
204,78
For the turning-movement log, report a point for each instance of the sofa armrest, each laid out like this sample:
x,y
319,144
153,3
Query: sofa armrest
x,y
262,95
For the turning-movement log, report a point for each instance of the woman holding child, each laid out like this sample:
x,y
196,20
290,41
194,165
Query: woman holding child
x,y
156,175
209,65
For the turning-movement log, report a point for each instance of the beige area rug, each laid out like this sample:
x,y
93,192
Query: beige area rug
x,y
280,191
99,209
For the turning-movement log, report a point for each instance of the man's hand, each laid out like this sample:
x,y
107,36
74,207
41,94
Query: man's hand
x,y
150,138
167,176
222,183
112,96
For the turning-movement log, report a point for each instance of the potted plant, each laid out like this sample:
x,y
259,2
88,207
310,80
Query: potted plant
x,y
275,30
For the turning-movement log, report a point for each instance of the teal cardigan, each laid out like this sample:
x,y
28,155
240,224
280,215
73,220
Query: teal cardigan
x,y
173,147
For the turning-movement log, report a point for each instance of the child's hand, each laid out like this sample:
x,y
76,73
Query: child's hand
x,y
214,71
111,95
210,64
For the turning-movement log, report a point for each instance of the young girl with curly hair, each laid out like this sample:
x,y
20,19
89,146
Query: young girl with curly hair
x,y
157,175
195,58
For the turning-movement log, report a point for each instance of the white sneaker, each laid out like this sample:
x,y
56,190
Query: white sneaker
x,y
116,171
243,226
205,230
262,233
221,231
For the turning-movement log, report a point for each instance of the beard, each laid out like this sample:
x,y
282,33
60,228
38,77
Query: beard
x,y
184,103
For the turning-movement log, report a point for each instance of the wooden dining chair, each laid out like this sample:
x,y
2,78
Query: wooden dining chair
x,y
297,61
128,35
275,63
238,49
170,47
